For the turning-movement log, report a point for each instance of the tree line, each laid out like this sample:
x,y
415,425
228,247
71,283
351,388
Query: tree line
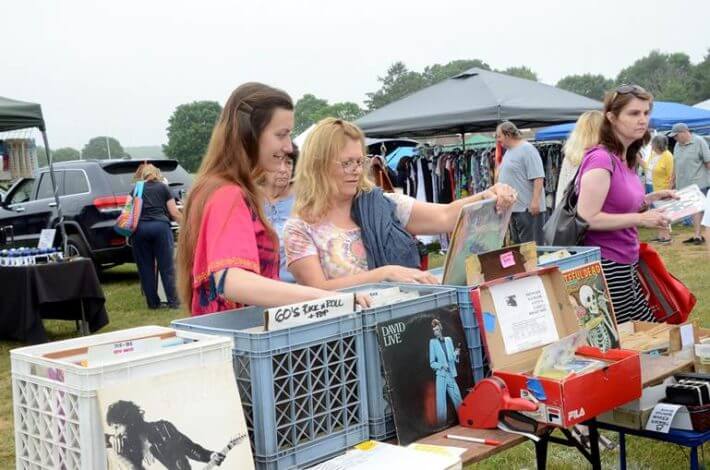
x,y
668,76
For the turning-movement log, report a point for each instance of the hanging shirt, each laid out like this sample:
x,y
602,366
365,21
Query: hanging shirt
x,y
278,213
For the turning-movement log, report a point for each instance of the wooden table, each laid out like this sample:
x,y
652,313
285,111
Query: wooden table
x,y
653,371
475,452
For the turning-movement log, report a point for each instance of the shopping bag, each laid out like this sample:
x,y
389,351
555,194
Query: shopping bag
x,y
670,300
127,222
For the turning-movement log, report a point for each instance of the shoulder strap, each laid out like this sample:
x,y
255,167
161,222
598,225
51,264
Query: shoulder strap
x,y
138,190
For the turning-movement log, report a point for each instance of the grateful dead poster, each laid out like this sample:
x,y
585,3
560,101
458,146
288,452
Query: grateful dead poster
x,y
427,370
191,419
589,296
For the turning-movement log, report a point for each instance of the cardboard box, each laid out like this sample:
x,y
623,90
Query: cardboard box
x,y
634,415
650,337
562,402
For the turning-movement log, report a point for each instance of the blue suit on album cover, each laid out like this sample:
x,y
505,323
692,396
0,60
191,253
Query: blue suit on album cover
x,y
443,359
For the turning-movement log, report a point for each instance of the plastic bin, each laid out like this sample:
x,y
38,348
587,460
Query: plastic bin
x,y
303,389
580,255
381,421
470,327
57,416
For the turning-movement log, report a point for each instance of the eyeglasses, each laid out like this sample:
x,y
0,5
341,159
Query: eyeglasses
x,y
626,89
350,166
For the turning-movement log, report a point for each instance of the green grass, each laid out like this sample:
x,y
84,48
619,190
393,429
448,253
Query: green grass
x,y
127,309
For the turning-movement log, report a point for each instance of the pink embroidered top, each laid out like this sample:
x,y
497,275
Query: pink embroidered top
x,y
231,236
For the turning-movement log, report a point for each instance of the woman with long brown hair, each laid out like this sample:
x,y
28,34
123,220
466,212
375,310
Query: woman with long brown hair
x,y
613,201
227,251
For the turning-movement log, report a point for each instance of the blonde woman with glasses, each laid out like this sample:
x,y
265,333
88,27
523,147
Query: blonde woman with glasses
x,y
344,231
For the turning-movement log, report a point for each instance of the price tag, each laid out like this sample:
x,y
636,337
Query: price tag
x,y
46,238
507,259
111,352
288,316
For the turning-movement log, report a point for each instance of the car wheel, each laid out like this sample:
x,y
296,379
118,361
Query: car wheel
x,y
77,247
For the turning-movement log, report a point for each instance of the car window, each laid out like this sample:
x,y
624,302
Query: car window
x,y
75,182
23,192
45,189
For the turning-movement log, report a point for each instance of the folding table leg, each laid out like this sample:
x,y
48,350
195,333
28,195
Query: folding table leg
x,y
622,451
694,458
594,445
84,324
541,452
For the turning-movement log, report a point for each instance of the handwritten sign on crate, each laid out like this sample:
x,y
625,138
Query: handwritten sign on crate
x,y
288,316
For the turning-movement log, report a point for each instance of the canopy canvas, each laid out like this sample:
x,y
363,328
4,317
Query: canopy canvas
x,y
663,116
475,101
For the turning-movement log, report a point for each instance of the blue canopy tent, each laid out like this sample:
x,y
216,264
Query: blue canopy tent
x,y
663,116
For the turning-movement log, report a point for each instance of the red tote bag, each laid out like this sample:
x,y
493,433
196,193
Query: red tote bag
x,y
670,300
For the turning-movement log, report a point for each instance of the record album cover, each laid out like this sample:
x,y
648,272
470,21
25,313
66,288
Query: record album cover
x,y
479,228
427,369
191,419
589,295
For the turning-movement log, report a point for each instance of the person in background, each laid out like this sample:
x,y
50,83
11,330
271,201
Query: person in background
x,y
228,253
584,136
153,239
691,164
522,169
658,170
344,231
278,203
612,199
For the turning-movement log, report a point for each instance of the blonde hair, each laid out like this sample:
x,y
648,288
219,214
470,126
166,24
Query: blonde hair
x,y
314,185
148,172
584,136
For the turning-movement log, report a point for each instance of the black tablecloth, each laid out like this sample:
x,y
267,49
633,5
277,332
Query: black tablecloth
x,y
54,291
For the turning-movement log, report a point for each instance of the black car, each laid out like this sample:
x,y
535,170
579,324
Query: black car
x,y
92,193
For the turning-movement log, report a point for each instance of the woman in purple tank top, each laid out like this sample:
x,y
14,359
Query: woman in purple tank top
x,y
613,201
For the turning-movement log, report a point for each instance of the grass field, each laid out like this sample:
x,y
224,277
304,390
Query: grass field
x,y
127,309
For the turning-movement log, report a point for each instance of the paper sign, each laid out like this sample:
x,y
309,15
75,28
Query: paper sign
x,y
507,259
524,314
111,352
288,316
687,336
46,238
662,417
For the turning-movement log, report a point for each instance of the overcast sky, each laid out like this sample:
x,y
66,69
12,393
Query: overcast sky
x,y
121,67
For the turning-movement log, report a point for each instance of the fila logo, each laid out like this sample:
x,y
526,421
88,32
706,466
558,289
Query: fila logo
x,y
575,414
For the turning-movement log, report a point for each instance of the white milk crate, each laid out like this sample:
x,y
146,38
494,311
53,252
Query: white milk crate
x,y
57,416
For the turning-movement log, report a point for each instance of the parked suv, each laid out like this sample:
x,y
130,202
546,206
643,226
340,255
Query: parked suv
x,y
92,193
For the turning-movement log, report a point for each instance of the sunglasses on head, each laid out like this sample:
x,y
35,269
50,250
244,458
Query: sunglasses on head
x,y
626,89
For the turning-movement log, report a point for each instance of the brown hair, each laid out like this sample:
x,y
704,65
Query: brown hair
x,y
148,172
509,129
232,158
614,102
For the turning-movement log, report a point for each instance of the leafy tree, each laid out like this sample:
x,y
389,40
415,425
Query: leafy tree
x,y
701,79
308,110
591,86
436,73
97,148
521,72
346,110
398,82
42,156
668,76
189,131
66,154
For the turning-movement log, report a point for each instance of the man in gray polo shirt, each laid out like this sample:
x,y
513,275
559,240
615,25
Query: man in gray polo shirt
x,y
522,169
691,162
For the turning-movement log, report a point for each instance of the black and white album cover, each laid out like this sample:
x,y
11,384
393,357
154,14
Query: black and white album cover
x,y
184,420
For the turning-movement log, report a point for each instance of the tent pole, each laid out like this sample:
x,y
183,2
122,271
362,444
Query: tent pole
x,y
463,140
62,230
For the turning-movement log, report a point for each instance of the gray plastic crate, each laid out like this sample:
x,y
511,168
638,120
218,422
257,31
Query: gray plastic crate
x,y
378,397
580,255
303,389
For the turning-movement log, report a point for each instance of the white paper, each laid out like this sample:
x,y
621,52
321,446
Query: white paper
x,y
101,354
46,238
687,336
662,417
288,316
524,314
